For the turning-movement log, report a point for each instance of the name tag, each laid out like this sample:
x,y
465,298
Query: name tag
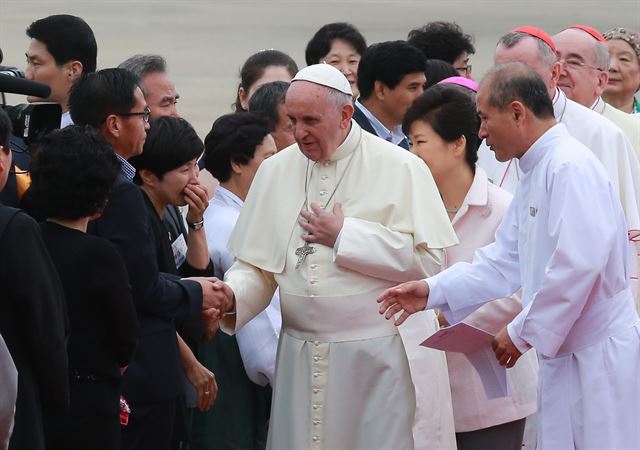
x,y
533,211
179,248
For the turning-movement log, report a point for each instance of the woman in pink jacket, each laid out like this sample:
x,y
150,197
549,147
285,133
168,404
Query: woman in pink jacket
x,y
443,127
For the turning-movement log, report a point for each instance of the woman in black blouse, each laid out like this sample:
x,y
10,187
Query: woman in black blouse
x,y
72,174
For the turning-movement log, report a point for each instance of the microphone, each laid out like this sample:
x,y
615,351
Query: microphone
x,y
12,85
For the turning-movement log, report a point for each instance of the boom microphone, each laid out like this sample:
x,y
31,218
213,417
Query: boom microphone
x,y
12,85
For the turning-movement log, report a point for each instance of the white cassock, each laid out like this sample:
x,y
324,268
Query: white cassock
x,y
475,223
8,394
346,377
610,145
563,241
258,339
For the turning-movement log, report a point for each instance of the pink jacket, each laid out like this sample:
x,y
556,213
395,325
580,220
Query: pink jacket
x,y
475,224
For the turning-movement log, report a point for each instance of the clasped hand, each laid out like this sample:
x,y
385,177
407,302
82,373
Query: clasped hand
x,y
322,227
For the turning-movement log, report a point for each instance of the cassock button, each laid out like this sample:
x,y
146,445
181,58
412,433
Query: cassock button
x,y
316,422
316,438
323,193
313,281
326,163
316,358
315,391
324,177
313,266
315,407
316,374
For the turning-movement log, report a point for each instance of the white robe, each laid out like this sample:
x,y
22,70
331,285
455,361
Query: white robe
x,y
563,241
258,339
610,145
347,378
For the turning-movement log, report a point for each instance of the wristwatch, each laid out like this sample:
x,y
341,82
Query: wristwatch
x,y
196,225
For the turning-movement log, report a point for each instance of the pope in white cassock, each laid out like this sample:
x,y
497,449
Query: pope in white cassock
x,y
333,221
606,141
563,241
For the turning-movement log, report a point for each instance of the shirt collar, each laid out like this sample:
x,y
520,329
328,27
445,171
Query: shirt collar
x,y
228,195
65,120
476,196
127,169
536,152
394,135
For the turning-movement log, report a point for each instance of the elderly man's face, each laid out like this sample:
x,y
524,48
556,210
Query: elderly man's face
x,y
160,95
496,126
580,78
526,51
319,126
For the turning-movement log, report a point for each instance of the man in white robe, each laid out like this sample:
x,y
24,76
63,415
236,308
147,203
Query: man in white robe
x,y
578,310
584,75
371,217
608,142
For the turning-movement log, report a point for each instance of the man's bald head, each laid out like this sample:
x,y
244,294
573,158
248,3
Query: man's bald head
x,y
585,65
517,46
514,109
516,81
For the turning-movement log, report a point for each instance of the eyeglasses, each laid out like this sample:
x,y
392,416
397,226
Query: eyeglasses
x,y
146,114
466,69
576,64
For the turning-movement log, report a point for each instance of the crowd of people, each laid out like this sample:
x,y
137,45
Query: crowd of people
x,y
270,285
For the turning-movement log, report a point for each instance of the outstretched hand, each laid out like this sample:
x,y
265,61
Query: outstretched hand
x,y
409,297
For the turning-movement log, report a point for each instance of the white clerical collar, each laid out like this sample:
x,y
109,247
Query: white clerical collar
x,y
559,104
540,147
345,148
226,194
394,135
599,105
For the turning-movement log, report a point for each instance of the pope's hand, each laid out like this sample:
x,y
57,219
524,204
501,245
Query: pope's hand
x,y
215,294
409,298
322,227
506,352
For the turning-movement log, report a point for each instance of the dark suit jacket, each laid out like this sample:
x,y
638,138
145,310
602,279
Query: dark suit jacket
x,y
33,322
362,120
154,373
364,123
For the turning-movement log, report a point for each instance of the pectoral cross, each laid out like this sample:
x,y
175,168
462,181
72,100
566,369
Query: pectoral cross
x,y
303,252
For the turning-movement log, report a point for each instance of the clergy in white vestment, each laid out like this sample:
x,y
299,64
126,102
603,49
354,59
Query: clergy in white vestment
x,y
333,221
578,311
443,127
584,75
608,143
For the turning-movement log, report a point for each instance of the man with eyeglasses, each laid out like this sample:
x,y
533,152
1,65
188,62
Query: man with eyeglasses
x,y
535,47
111,101
584,76
445,41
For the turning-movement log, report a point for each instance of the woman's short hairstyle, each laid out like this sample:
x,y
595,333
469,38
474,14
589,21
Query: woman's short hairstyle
x,y
171,142
451,112
438,70
233,138
321,42
72,173
254,68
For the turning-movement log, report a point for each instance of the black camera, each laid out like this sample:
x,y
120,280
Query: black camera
x,y
30,120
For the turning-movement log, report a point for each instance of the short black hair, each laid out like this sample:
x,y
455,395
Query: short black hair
x,y
95,96
451,113
388,62
68,38
438,70
265,101
5,130
516,81
442,40
321,42
233,137
72,173
171,142
254,67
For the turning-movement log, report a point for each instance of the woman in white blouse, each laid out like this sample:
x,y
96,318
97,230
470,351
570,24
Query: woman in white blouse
x,y
443,127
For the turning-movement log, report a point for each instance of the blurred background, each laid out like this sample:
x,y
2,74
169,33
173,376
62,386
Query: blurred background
x,y
206,42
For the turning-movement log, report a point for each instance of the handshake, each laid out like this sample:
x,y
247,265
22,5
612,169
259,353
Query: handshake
x,y
217,299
